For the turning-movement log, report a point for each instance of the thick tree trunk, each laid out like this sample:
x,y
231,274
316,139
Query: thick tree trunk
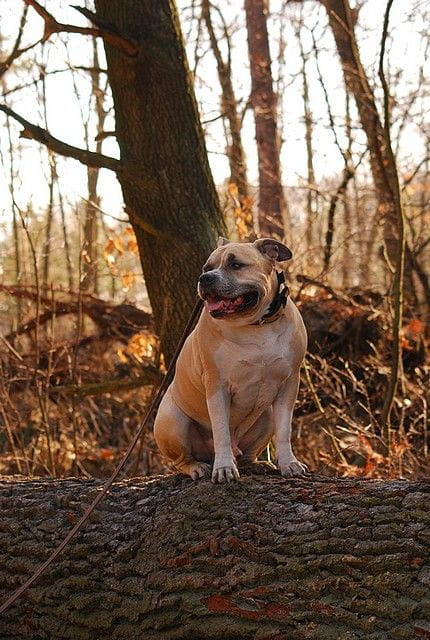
x,y
271,205
166,181
264,558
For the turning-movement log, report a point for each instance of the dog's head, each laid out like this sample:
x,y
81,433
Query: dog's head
x,y
239,279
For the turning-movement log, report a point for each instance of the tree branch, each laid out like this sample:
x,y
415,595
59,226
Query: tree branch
x,y
150,376
16,51
89,158
409,179
109,34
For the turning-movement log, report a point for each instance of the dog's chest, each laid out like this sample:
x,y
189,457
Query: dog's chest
x,y
255,373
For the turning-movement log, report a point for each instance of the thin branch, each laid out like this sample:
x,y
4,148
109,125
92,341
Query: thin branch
x,y
343,153
89,158
35,81
409,179
16,51
108,33
105,134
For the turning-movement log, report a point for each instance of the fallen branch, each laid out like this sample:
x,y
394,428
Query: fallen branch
x,y
122,320
151,375
307,281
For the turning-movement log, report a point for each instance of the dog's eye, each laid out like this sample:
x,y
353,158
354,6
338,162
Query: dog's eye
x,y
236,265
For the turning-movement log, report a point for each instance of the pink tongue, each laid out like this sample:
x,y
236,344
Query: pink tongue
x,y
226,304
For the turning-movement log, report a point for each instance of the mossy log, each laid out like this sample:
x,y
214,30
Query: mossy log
x,y
266,558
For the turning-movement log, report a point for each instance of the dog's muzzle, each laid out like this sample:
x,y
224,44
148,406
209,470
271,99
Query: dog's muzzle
x,y
221,300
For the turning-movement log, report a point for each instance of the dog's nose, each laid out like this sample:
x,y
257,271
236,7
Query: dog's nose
x,y
207,278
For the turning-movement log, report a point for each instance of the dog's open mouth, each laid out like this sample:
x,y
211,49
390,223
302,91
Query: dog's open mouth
x,y
219,307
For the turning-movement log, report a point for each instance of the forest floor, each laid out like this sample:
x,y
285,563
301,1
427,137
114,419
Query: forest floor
x,y
74,390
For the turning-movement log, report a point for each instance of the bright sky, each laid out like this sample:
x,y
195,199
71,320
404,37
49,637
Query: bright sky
x,y
65,112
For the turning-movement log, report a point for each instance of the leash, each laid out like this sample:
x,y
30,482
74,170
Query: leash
x,y
105,488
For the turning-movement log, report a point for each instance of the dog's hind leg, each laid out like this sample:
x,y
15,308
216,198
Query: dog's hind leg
x,y
174,434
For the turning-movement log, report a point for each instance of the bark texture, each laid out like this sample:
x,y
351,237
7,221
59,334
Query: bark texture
x,y
271,205
265,558
165,177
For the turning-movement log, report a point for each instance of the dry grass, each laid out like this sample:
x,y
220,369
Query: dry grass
x,y
44,432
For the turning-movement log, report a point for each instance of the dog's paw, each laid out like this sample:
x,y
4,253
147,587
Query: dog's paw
x,y
225,472
292,467
199,470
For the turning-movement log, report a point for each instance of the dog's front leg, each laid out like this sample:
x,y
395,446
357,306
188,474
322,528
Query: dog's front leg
x,y
218,402
283,407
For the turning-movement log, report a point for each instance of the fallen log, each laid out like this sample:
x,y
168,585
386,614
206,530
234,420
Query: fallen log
x,y
119,321
264,558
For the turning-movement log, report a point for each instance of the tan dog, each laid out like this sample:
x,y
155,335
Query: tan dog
x,y
237,376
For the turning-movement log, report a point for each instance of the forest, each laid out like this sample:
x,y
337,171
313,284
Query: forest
x,y
134,134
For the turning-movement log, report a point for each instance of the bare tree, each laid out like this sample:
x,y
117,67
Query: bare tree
x,y
89,280
168,189
308,121
271,204
342,19
229,106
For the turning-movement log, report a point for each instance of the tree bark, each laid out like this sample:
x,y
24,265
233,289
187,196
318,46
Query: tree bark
x,y
265,558
272,205
168,189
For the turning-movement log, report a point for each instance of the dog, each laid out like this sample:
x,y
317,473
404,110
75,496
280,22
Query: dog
x,y
237,376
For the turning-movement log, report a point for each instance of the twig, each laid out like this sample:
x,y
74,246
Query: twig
x,y
328,429
16,51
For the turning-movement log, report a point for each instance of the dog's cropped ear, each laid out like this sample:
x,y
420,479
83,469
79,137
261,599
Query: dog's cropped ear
x,y
222,241
273,249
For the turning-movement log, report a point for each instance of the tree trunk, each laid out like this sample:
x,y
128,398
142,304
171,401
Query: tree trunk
x,y
272,205
235,152
349,227
338,195
47,245
308,121
342,20
165,177
264,558
90,257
